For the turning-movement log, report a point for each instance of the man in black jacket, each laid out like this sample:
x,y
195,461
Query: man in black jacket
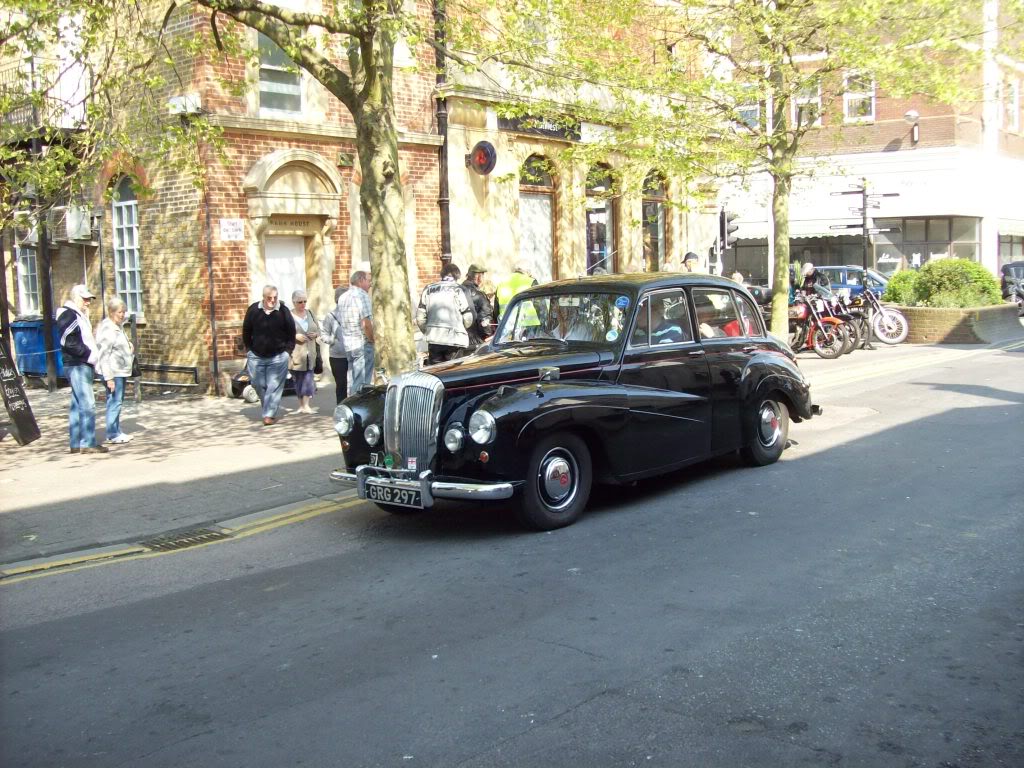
x,y
78,348
483,313
268,333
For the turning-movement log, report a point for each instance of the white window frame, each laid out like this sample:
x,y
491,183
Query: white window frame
x,y
29,302
851,97
800,99
749,112
271,87
127,253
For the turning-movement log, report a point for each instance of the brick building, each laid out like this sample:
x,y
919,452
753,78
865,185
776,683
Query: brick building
x,y
281,205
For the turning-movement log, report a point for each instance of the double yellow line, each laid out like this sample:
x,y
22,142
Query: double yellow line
x,y
128,552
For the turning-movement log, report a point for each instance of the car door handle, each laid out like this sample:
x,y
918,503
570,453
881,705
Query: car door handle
x,y
750,349
695,353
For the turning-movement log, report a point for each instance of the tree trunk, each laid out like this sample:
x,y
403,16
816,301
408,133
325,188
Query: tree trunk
x,y
380,196
781,185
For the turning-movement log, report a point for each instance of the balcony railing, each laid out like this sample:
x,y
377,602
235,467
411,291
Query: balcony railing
x,y
63,107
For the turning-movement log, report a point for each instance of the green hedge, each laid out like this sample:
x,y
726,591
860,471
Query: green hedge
x,y
950,283
901,288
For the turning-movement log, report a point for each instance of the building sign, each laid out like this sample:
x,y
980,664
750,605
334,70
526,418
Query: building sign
x,y
232,230
539,126
23,422
296,225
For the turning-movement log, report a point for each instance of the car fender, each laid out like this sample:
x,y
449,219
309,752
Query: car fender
x,y
769,372
596,410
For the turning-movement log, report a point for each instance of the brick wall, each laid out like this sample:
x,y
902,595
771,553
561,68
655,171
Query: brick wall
x,y
978,325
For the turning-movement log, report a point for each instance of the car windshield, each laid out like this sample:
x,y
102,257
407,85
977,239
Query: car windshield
x,y
590,319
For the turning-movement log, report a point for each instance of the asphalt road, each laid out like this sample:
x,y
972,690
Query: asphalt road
x,y
860,603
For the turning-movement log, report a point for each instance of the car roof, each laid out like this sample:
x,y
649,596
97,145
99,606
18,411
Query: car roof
x,y
633,283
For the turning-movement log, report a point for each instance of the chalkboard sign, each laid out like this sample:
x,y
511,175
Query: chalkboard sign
x,y
23,423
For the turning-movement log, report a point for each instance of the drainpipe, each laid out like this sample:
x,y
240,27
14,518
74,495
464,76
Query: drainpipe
x,y
213,305
442,130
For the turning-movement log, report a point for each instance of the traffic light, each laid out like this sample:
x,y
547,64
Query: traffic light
x,y
727,227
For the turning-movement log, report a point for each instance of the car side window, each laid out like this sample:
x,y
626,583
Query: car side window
x,y
662,318
670,318
748,317
716,313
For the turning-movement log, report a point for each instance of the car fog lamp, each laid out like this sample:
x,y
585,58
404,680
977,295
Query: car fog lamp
x,y
344,420
484,457
372,435
453,439
481,427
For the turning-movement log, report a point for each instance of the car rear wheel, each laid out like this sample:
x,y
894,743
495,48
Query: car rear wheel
x,y
767,430
558,483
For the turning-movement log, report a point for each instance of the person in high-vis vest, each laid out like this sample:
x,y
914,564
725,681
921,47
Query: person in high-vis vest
x,y
518,281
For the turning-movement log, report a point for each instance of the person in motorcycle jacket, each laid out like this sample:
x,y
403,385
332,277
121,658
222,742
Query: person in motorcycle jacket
x,y
814,282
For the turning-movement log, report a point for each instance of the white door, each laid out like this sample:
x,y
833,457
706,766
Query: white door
x,y
286,265
536,244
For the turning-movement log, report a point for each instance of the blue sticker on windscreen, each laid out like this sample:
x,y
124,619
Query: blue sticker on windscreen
x,y
622,302
611,336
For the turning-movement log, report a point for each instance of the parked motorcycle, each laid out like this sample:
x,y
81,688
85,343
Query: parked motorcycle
x,y
809,328
835,307
890,326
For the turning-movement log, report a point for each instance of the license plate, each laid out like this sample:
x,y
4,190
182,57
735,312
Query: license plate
x,y
386,494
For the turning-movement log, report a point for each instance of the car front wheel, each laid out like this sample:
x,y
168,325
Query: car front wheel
x,y
557,483
767,433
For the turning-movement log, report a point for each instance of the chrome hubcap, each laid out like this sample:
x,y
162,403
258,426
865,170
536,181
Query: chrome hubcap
x,y
769,428
557,478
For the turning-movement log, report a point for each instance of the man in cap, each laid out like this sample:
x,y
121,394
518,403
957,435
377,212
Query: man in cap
x,y
690,261
483,312
79,350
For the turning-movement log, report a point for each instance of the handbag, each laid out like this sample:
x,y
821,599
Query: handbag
x,y
318,365
136,368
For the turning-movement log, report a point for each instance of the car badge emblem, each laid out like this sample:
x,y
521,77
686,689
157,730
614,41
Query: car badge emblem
x,y
374,459
411,463
389,461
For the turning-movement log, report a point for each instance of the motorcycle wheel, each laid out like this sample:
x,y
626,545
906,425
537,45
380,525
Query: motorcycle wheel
x,y
853,331
829,344
890,326
865,331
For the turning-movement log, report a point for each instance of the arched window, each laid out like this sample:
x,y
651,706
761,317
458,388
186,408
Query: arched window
x,y
654,221
602,224
127,262
537,218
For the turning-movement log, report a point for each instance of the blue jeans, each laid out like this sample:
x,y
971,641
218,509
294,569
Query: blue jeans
x,y
360,363
82,419
268,376
114,401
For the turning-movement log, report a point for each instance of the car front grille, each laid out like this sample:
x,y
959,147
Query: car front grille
x,y
412,414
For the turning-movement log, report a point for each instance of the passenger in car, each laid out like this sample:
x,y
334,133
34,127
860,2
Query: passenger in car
x,y
667,328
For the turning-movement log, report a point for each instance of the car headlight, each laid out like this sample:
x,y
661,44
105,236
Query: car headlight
x,y
453,438
481,427
344,420
372,435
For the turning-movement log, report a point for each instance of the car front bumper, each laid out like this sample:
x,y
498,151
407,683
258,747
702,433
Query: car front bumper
x,y
424,482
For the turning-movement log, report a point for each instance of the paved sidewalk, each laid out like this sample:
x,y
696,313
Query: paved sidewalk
x,y
193,460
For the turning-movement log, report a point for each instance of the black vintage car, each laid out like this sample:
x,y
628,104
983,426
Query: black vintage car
x,y
604,379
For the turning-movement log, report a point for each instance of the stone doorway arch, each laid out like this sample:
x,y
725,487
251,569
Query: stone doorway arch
x,y
295,193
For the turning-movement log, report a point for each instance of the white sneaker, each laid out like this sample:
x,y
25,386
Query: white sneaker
x,y
122,438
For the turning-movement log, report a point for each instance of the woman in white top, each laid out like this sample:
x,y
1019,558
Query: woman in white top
x,y
303,357
114,365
